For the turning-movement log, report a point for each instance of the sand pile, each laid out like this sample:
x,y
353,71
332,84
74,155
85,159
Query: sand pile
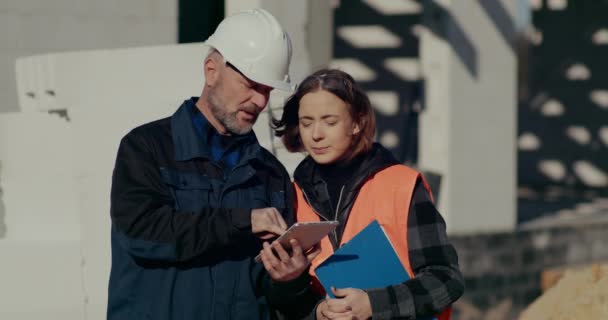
x,y
579,294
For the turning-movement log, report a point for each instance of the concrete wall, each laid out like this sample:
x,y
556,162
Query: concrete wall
x,y
503,270
38,191
59,217
56,180
29,27
468,127
56,176
41,272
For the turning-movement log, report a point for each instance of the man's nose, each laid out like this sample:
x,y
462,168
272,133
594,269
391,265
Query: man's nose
x,y
260,99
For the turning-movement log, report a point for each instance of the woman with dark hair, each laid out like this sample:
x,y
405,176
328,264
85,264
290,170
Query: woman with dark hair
x,y
349,178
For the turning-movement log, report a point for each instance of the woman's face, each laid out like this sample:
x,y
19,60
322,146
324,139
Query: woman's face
x,y
326,127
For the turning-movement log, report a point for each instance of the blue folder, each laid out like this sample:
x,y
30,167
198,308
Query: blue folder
x,y
367,261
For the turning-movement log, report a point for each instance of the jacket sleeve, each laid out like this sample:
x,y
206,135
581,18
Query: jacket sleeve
x,y
145,222
437,283
291,299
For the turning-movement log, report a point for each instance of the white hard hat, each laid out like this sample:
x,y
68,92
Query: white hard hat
x,y
254,42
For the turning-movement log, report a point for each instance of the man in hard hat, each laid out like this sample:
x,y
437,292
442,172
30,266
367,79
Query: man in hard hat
x,y
194,195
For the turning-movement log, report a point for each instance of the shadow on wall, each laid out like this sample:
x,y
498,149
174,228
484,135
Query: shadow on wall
x,y
562,134
2,208
379,47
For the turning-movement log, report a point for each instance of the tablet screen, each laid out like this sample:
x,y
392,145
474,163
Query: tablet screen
x,y
307,233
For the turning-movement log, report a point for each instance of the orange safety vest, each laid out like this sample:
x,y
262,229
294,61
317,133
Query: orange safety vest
x,y
384,197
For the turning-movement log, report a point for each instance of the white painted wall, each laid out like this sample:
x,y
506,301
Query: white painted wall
x,y
106,93
123,89
41,280
40,273
36,178
29,27
468,129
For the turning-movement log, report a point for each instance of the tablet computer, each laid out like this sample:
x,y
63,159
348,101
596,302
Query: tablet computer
x,y
307,233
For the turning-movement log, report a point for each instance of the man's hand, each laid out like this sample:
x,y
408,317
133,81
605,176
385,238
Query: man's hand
x,y
283,266
267,223
350,304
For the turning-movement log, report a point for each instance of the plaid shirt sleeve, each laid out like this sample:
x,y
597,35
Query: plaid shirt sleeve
x,y
437,283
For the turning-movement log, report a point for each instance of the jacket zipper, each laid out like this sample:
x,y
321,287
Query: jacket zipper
x,y
313,207
336,216
323,217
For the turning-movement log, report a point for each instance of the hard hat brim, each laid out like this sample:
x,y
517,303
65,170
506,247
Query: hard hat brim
x,y
279,85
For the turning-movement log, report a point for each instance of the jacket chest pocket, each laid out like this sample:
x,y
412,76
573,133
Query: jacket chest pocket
x,y
247,197
277,199
190,191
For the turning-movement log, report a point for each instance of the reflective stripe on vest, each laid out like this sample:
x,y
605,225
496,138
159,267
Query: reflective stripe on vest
x,y
384,197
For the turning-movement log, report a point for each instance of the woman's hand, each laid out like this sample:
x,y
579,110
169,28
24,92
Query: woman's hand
x,y
349,304
321,311
283,266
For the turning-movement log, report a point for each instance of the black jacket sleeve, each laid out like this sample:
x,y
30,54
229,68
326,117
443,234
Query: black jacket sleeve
x,y
292,299
144,219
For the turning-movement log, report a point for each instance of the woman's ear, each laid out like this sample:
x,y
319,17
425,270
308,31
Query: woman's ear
x,y
356,128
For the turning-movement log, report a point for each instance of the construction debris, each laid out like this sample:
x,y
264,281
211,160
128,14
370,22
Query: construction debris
x,y
579,294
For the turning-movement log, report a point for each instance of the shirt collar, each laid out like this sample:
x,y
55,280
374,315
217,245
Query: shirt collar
x,y
193,134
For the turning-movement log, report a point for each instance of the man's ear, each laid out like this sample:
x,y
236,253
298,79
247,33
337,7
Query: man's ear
x,y
211,69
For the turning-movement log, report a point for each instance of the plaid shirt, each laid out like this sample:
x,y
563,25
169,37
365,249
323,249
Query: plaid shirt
x,y
437,282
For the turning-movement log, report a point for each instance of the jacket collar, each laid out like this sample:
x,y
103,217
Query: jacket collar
x,y
309,179
378,158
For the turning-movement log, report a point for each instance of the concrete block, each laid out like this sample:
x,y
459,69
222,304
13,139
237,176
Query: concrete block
x,y
27,86
40,280
137,88
36,89
37,178
107,93
164,75
8,85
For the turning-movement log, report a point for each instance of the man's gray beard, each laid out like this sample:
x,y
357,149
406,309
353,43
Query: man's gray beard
x,y
228,120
